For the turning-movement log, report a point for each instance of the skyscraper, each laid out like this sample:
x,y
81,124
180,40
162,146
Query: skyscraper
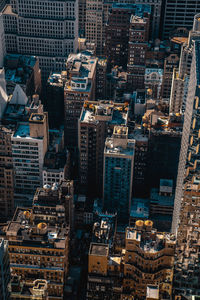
x,y
189,154
179,13
43,28
118,173
181,75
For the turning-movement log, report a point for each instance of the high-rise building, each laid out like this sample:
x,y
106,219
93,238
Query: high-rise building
x,y
179,13
96,122
3,93
181,75
187,269
29,145
43,28
118,173
189,153
101,79
6,173
39,249
138,42
4,269
79,87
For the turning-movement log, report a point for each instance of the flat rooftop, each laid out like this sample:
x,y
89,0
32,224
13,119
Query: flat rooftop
x,y
99,249
112,150
140,208
152,292
22,131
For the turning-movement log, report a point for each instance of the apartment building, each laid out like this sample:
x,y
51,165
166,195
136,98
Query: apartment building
x,y
96,122
42,28
29,145
153,81
79,87
171,62
4,269
118,173
38,250
6,173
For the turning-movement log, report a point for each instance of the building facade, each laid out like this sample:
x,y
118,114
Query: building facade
x,y
45,29
29,145
118,173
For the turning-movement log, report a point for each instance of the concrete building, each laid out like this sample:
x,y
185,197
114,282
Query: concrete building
x,y
147,259
6,173
39,249
48,30
180,79
189,143
24,71
79,87
2,41
96,123
179,13
118,173
101,79
29,145
4,269
138,42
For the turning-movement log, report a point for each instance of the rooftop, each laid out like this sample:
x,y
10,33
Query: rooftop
x,y
115,150
23,231
22,131
153,292
140,208
138,9
113,113
99,249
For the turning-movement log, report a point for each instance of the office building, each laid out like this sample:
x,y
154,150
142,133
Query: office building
x,y
79,87
55,99
101,79
29,145
3,93
96,123
4,269
138,42
188,159
118,173
24,71
179,13
39,249
6,173
42,28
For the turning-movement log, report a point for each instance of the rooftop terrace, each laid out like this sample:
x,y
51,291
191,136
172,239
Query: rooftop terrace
x,y
99,249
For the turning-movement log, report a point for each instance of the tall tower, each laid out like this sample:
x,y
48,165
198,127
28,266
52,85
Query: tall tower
x,y
179,13
47,29
118,173
181,75
189,154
